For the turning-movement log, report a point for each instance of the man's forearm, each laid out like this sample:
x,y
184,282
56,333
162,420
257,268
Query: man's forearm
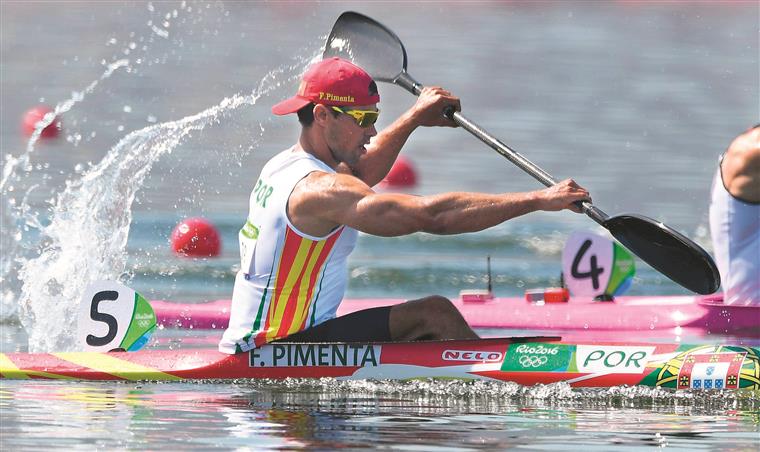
x,y
455,213
384,149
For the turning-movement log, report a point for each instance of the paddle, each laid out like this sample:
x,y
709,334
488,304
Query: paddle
x,y
380,52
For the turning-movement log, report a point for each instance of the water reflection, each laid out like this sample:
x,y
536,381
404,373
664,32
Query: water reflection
x,y
401,415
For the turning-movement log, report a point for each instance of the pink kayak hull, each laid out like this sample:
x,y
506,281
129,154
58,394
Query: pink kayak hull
x,y
706,315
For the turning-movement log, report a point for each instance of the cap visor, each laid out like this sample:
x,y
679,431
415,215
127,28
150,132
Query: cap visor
x,y
291,105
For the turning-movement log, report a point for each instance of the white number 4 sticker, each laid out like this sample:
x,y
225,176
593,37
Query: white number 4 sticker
x,y
593,265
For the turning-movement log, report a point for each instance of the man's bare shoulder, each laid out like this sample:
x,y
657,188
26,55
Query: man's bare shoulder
x,y
741,166
320,193
320,183
747,143
321,201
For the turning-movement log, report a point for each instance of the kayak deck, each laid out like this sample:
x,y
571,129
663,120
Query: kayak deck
x,y
526,361
637,313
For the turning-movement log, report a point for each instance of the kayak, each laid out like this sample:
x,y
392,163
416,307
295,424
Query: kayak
x,y
523,360
697,314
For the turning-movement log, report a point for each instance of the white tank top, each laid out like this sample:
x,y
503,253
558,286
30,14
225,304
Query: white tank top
x,y
735,230
288,281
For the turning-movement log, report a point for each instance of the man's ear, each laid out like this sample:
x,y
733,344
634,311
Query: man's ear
x,y
321,114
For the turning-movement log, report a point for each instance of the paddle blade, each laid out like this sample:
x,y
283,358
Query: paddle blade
x,y
369,44
666,250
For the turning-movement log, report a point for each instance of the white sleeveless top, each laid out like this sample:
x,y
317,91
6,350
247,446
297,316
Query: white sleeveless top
x,y
735,230
288,281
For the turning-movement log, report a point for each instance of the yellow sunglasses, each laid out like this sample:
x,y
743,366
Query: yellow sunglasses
x,y
364,118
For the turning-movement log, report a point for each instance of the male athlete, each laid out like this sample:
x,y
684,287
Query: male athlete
x,y
735,219
310,201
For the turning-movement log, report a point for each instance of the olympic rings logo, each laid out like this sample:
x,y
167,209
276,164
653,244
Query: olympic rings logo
x,y
532,360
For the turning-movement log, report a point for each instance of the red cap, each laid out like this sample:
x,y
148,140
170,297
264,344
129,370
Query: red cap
x,y
333,81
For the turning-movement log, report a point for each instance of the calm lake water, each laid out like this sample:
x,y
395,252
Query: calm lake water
x,y
165,107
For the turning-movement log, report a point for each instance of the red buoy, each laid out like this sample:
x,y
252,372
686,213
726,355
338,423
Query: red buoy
x,y
196,237
35,115
402,174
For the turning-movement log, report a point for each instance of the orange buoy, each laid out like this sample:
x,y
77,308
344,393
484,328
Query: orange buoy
x,y
35,115
196,237
402,174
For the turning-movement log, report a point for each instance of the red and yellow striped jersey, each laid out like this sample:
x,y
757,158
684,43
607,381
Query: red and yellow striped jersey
x,y
288,280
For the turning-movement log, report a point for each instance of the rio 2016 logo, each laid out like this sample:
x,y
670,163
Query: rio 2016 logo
x,y
532,360
533,356
539,349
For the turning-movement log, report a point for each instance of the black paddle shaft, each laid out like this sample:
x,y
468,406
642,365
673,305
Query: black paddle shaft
x,y
380,52
407,82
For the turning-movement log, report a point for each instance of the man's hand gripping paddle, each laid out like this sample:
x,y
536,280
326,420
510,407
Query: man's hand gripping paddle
x,y
380,52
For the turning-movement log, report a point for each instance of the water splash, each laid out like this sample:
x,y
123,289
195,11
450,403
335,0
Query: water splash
x,y
16,212
50,254
79,233
87,236
78,96
492,396
13,170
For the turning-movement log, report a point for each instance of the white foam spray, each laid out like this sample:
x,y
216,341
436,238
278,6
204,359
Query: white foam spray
x,y
18,213
87,236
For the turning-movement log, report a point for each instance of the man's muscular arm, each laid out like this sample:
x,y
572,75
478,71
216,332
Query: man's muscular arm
x,y
385,147
322,201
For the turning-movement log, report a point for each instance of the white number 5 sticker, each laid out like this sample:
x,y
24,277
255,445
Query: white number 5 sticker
x,y
114,317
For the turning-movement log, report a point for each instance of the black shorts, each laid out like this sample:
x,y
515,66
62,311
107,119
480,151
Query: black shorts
x,y
368,325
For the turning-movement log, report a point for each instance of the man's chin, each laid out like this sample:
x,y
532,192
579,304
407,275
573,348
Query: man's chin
x,y
344,168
